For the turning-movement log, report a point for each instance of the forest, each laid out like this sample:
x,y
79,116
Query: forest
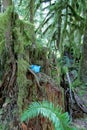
x,y
43,65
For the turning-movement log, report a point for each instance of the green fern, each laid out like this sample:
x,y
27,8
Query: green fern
x,y
46,109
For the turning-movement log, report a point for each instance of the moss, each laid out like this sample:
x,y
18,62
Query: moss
x,y
22,32
4,20
22,82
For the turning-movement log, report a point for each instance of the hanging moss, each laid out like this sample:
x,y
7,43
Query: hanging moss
x,y
22,32
22,82
4,20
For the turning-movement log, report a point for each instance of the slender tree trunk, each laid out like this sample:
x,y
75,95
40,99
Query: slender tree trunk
x,y
83,66
59,28
0,6
59,31
32,19
32,11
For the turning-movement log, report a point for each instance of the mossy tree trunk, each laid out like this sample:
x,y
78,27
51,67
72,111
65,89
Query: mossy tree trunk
x,y
9,83
59,28
83,66
9,42
32,6
8,86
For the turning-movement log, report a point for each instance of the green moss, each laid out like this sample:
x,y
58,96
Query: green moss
x,y
23,32
4,20
22,82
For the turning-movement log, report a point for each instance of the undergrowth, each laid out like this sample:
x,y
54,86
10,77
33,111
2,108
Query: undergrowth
x,y
60,120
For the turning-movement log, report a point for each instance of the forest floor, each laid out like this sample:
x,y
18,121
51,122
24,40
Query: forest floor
x,y
81,123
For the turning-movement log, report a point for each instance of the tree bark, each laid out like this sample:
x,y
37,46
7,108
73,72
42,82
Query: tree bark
x,y
59,27
8,88
9,41
32,20
0,6
83,65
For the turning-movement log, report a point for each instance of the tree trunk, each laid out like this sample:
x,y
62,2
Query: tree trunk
x,y
0,6
9,41
8,87
83,66
59,30
32,19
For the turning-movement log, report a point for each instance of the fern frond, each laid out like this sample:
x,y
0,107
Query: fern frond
x,y
46,109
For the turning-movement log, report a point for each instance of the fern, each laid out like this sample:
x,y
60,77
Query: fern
x,y
46,109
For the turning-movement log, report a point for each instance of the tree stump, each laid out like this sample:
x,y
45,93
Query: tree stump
x,y
42,88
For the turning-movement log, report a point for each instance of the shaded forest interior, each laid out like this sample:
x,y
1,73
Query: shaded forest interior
x,y
51,35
